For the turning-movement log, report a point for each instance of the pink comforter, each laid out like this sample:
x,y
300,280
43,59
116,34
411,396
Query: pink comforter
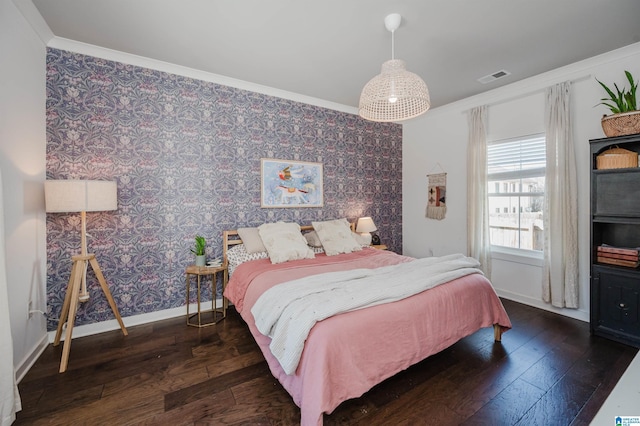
x,y
348,354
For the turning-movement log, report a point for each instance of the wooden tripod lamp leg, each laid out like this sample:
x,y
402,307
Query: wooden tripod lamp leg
x,y
107,293
72,294
65,306
70,304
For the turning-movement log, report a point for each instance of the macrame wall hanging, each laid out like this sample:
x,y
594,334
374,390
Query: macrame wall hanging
x,y
436,196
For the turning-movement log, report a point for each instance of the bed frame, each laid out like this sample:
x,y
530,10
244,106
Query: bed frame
x,y
231,238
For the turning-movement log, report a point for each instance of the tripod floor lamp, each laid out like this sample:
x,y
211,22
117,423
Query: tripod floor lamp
x,y
67,196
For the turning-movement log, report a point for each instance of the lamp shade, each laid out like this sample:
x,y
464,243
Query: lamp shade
x,y
80,195
365,224
394,95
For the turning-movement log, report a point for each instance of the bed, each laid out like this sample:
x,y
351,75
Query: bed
x,y
347,354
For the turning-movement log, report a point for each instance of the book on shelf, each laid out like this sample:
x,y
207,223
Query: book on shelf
x,y
618,255
604,248
619,262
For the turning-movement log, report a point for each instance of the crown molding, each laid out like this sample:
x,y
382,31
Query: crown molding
x,y
141,61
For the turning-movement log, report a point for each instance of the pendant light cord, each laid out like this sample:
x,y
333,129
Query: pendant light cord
x,y
393,45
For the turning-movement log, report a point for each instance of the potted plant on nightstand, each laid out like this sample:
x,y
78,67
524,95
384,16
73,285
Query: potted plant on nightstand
x,y
625,117
199,250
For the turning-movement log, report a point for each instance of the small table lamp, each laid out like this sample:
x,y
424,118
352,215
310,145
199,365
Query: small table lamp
x,y
366,226
69,196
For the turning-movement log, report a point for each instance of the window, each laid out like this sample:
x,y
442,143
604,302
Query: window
x,y
518,167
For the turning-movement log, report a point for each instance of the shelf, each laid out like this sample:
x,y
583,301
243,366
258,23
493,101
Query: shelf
x,y
623,170
624,220
617,267
615,140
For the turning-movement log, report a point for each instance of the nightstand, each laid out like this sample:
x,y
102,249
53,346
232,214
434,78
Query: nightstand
x,y
380,246
201,274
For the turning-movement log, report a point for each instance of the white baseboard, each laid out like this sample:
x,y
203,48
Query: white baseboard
x,y
579,314
101,327
31,358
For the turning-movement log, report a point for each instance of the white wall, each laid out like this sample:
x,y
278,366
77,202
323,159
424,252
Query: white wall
x,y
22,160
440,138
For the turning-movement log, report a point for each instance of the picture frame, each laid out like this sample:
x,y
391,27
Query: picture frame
x,y
290,184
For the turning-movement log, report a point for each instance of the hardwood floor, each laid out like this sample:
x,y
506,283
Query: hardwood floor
x,y
548,370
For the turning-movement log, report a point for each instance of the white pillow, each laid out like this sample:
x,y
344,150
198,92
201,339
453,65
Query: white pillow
x,y
251,240
312,239
362,239
284,242
315,243
336,237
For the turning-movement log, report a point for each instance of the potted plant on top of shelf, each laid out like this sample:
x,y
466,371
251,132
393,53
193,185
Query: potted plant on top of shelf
x,y
199,250
625,117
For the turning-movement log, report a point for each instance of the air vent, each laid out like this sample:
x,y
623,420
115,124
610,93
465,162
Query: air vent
x,y
493,77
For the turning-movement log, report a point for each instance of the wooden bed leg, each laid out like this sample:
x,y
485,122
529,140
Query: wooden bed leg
x,y
497,332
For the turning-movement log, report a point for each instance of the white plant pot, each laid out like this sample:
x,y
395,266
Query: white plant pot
x,y
201,260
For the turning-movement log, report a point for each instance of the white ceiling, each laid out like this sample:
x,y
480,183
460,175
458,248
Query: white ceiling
x,y
328,49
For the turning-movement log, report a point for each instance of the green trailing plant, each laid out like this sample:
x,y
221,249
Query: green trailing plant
x,y
199,246
623,100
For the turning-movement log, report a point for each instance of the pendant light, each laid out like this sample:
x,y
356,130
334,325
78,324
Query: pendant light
x,y
395,94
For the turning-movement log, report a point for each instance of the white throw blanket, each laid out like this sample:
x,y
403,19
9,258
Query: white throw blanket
x,y
287,312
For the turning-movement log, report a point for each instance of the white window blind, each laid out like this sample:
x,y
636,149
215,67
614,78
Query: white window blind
x,y
516,170
516,158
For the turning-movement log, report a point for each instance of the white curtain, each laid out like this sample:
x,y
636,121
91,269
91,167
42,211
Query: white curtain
x,y
560,271
9,397
478,243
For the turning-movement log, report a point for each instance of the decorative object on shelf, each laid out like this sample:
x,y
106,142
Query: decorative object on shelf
x,y
214,263
366,226
286,183
199,250
625,117
69,196
620,256
395,94
436,196
616,158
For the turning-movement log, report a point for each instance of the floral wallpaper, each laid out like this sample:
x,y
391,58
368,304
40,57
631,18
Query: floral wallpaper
x,y
186,157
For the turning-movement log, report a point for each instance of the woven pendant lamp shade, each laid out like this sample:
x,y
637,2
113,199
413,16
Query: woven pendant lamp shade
x,y
394,95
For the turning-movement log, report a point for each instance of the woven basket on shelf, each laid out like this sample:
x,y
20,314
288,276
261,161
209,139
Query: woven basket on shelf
x,y
625,123
616,158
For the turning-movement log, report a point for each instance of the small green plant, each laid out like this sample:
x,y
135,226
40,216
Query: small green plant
x,y
622,101
200,246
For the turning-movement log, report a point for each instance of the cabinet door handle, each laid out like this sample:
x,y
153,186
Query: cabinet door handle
x,y
622,305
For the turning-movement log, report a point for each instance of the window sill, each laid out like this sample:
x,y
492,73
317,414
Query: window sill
x,y
526,257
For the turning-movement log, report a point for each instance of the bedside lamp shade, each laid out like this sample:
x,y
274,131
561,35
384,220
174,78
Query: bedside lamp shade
x,y
67,196
365,224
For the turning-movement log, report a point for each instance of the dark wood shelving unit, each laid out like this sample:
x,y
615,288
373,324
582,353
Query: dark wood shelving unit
x,y
615,221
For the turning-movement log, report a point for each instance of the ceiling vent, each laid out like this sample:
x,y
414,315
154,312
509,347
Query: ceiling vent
x,y
493,77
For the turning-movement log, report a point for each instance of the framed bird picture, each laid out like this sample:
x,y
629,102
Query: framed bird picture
x,y
287,183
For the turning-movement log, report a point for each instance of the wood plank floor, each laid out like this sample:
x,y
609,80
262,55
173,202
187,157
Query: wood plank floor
x,y
548,370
